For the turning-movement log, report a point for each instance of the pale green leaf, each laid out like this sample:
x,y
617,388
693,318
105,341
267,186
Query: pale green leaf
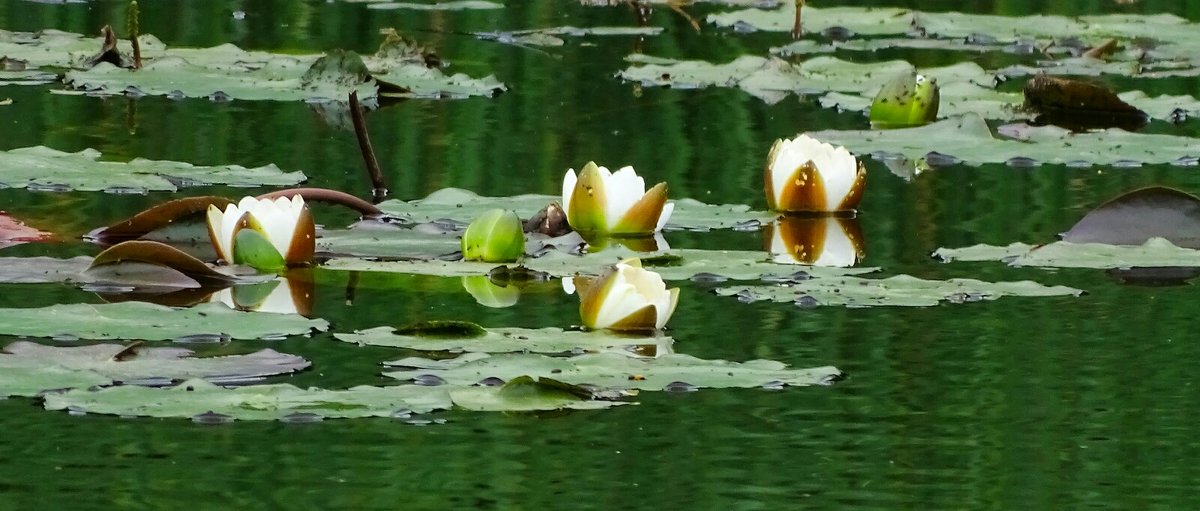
x,y
136,320
505,340
900,290
1154,253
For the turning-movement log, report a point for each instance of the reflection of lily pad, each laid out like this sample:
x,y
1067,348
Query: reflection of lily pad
x,y
613,371
123,364
46,168
505,340
969,138
1154,253
135,320
464,205
901,290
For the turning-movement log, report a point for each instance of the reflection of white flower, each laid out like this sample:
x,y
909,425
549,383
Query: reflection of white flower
x,y
824,241
626,298
281,296
603,202
804,174
284,222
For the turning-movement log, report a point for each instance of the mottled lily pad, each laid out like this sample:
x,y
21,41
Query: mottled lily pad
x,y
47,169
969,139
1154,253
614,371
136,320
506,340
132,365
464,205
900,290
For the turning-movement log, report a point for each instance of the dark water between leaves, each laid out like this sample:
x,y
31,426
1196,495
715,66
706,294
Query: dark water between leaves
x,y
1020,403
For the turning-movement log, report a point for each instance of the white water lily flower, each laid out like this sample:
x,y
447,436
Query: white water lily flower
x,y
285,223
804,174
824,241
628,297
603,202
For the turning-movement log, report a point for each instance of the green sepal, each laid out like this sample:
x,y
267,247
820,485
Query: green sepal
x,y
908,99
496,236
253,249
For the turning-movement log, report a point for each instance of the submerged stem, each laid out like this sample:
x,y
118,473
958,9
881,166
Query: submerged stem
x,y
379,190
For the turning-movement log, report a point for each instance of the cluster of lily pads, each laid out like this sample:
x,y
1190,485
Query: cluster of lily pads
x,y
223,270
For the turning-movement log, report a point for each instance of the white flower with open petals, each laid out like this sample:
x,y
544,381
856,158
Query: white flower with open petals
x,y
603,202
806,175
820,241
628,297
266,234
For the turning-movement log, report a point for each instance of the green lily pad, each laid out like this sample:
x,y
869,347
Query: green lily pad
x,y
900,290
19,378
136,320
507,340
463,205
27,77
55,48
205,402
44,168
1154,253
381,240
672,265
137,364
41,270
969,138
525,394
550,36
614,371
452,5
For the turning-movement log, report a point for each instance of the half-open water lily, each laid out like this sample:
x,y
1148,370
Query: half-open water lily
x,y
807,175
821,241
627,297
602,202
285,225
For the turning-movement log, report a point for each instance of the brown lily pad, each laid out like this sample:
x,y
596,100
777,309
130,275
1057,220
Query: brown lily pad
x,y
1079,105
1137,216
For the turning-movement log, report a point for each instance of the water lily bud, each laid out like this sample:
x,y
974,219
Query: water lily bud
x,y
627,298
266,234
494,237
601,202
806,175
909,99
489,294
823,241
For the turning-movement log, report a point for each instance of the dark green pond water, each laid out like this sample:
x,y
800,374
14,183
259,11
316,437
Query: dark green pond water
x,y
1020,403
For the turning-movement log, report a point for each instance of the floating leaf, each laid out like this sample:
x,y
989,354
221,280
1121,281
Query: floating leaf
x,y
256,402
42,270
425,241
463,205
47,168
15,232
549,36
135,365
525,394
505,340
159,217
1135,217
135,320
900,290
152,264
451,5
615,371
1154,253
1076,104
969,139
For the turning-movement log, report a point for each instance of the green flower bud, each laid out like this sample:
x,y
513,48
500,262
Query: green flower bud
x,y
494,237
909,99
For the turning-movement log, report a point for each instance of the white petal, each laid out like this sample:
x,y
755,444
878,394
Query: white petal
x,y
279,219
568,189
229,222
224,296
621,301
662,219
839,250
788,158
839,174
568,285
278,301
622,189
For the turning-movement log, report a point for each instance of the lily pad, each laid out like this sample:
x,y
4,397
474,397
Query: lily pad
x,y
1154,253
969,139
464,205
142,365
42,270
136,320
1137,216
205,402
525,394
614,371
15,232
900,290
48,169
550,36
453,5
506,340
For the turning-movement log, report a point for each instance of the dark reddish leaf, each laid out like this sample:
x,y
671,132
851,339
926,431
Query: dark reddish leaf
x,y
1133,218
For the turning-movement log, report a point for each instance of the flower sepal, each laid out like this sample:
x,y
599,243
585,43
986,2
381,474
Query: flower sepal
x,y
627,298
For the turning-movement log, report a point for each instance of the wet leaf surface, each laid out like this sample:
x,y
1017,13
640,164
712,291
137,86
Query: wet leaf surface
x,y
1154,253
507,340
136,320
898,291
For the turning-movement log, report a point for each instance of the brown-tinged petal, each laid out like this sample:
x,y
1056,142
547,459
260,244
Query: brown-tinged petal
x,y
804,190
585,211
153,252
643,217
643,319
304,240
157,217
855,195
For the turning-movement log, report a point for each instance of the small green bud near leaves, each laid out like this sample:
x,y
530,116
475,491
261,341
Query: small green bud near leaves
x,y
495,236
909,99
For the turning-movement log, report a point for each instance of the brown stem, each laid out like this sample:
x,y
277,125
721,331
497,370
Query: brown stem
x,y
797,28
379,190
352,288
327,195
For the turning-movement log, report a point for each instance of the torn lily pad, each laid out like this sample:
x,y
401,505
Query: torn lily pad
x,y
197,399
899,291
136,320
47,169
463,205
507,340
134,365
615,371
1154,253
970,139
